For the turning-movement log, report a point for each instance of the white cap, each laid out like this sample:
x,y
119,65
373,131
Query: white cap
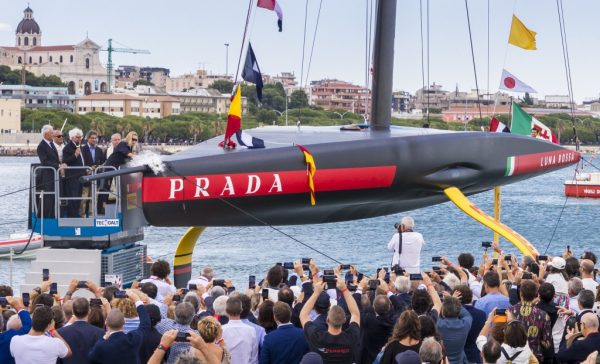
x,y
558,263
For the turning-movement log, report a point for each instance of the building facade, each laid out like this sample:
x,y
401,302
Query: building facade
x,y
77,65
35,97
340,95
206,100
120,105
191,81
10,115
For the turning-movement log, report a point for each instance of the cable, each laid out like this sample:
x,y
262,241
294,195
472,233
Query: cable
x,y
473,58
237,71
565,49
304,44
559,216
312,48
12,222
428,83
422,51
257,219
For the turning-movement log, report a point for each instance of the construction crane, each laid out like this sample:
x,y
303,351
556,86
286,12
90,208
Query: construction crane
x,y
109,64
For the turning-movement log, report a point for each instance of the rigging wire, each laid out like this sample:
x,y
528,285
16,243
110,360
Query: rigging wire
x,y
566,58
473,58
488,56
312,49
422,52
559,217
304,44
237,71
257,219
428,84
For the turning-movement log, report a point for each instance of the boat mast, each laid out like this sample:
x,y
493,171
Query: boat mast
x,y
383,65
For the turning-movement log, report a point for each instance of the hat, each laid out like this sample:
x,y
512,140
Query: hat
x,y
558,263
408,357
323,301
311,358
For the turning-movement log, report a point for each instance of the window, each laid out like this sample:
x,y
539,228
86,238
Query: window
x,y
19,41
50,59
26,42
87,63
20,60
30,60
61,59
40,58
34,41
71,58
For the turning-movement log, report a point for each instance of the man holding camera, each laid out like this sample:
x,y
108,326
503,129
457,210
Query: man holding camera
x,y
406,245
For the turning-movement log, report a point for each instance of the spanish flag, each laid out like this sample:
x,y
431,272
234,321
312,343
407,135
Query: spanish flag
x,y
521,36
234,118
311,169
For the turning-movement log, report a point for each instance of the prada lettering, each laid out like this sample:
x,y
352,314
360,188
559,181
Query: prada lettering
x,y
224,186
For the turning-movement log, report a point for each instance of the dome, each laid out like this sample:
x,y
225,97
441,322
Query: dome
x,y
28,24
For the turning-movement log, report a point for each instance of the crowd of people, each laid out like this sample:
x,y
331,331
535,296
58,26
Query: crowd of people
x,y
504,310
69,160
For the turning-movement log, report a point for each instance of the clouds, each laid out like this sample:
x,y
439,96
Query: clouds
x,y
4,27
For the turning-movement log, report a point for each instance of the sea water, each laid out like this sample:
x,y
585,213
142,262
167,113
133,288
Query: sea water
x,y
534,208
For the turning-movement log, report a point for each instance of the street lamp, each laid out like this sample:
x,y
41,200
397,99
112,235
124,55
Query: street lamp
x,y
286,106
226,59
279,113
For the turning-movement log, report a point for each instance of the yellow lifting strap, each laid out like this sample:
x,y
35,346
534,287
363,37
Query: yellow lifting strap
x,y
182,262
463,203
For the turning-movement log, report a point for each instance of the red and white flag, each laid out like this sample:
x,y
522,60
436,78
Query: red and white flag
x,y
273,6
496,126
511,83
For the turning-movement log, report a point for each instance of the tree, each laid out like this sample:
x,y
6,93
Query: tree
x,y
265,116
142,82
527,100
223,86
298,100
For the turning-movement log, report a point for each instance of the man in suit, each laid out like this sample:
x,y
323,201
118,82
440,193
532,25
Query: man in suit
x,y
80,335
580,349
45,178
116,346
72,158
286,344
377,326
93,156
7,335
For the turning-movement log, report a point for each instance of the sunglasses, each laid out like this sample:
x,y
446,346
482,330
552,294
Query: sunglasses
x,y
59,136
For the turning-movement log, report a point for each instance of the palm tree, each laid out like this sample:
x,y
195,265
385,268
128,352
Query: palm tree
x,y
195,129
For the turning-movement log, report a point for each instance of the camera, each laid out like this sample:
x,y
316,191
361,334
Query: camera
x,y
542,258
373,283
486,244
415,277
182,337
95,302
120,294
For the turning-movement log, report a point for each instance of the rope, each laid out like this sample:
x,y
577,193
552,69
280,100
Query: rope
x,y
559,216
422,53
237,71
428,93
304,44
312,48
473,58
566,58
258,219
12,222
488,55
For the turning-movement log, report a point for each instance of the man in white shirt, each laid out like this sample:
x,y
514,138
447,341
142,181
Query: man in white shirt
x,y
43,344
586,268
239,338
160,277
205,278
407,254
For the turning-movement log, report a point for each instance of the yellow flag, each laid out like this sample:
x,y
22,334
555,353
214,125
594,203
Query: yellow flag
x,y
311,170
520,36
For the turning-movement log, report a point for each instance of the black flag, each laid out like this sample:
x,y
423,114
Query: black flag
x,y
251,72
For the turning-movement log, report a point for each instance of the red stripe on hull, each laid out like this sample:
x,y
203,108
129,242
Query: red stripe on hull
x,y
202,187
544,161
582,191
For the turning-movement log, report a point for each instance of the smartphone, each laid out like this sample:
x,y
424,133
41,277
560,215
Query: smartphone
x,y
176,298
328,272
542,258
279,264
95,302
45,274
219,282
494,261
265,293
436,259
508,257
415,277
351,287
373,283
25,299
305,267
288,265
305,260
437,269
501,312
527,275
120,294
386,278
345,266
486,244
569,248
193,287
184,291
348,278
82,284
398,271
182,337
252,282
53,288
330,278
360,277
3,301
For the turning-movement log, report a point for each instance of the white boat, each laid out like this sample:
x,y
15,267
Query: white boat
x,y
18,241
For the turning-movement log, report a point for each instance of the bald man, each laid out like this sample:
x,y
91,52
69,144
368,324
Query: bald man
x,y
586,267
580,349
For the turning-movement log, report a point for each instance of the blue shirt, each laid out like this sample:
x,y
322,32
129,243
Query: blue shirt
x,y
6,337
260,331
490,301
454,332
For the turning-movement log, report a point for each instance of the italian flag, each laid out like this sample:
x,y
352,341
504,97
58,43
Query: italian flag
x,y
525,124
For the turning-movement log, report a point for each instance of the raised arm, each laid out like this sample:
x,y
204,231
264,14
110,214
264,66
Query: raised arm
x,y
310,303
352,306
437,303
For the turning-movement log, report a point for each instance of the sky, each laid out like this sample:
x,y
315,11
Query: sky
x,y
186,35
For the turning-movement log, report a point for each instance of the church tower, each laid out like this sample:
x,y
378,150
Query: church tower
x,y
28,32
